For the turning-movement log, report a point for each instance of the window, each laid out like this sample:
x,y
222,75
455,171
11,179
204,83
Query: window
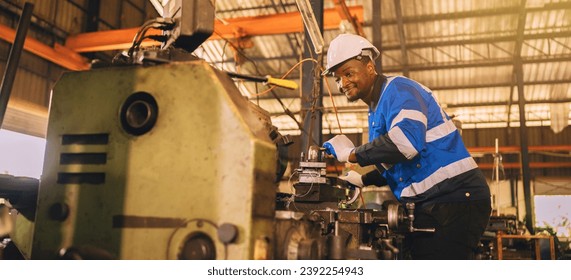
x,y
553,211
21,154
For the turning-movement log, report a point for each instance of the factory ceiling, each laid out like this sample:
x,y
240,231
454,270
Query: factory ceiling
x,y
469,53
478,57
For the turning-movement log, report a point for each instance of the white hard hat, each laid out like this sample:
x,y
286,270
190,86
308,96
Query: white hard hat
x,y
346,46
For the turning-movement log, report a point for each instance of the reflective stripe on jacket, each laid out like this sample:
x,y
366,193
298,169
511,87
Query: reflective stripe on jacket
x,y
410,115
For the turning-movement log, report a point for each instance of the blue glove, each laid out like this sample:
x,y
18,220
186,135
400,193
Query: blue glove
x,y
340,147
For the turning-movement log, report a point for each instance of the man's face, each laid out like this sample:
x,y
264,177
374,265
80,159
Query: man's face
x,y
355,79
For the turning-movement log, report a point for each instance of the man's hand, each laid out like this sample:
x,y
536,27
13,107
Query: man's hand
x,y
340,147
353,178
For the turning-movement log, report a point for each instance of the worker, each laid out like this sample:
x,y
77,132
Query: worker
x,y
417,151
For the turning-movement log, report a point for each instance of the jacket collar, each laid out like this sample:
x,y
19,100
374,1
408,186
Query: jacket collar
x,y
377,87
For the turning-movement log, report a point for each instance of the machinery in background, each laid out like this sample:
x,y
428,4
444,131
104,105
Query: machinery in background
x,y
506,224
161,157
507,238
347,230
138,153
135,158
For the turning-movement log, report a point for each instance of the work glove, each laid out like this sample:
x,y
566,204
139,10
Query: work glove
x,y
353,178
340,147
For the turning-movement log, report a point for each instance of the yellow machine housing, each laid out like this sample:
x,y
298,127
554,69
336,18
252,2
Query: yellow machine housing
x,y
158,162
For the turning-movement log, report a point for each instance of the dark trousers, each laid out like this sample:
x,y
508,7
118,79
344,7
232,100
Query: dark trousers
x,y
459,227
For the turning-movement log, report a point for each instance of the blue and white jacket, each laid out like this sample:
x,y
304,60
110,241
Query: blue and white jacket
x,y
417,147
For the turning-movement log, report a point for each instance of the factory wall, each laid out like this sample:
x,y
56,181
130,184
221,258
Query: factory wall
x,y
536,136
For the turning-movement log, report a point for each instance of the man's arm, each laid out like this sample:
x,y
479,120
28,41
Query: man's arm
x,y
405,112
382,149
374,178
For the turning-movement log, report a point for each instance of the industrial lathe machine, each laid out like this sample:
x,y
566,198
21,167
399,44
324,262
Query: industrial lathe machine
x,y
161,157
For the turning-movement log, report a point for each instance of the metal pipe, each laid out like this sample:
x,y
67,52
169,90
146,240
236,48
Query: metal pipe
x,y
532,165
402,38
497,173
517,149
524,149
311,91
377,33
14,59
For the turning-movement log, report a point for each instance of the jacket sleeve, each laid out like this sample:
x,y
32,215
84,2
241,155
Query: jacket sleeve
x,y
382,149
374,178
406,119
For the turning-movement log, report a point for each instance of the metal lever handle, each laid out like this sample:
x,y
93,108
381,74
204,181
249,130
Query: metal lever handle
x,y
281,82
267,79
423,229
410,209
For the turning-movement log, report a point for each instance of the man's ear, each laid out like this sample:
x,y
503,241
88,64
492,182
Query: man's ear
x,y
371,68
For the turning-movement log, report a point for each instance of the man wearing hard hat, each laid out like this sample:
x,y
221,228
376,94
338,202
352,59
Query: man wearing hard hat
x,y
417,151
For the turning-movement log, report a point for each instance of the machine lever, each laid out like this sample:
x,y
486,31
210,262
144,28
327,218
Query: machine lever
x,y
266,80
423,229
410,209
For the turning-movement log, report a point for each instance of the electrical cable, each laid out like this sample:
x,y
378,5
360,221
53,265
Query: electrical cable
x,y
284,76
289,182
224,53
286,110
333,104
552,154
140,36
141,33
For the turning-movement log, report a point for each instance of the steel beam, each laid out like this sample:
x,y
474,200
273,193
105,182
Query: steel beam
x,y
485,40
14,9
518,71
256,8
344,13
228,29
291,37
14,58
534,165
92,21
505,84
517,149
402,39
59,54
512,10
486,104
377,33
311,92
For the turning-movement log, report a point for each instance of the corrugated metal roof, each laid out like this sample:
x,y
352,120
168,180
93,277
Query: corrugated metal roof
x,y
463,50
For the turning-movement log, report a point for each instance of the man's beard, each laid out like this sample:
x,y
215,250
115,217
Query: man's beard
x,y
353,98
